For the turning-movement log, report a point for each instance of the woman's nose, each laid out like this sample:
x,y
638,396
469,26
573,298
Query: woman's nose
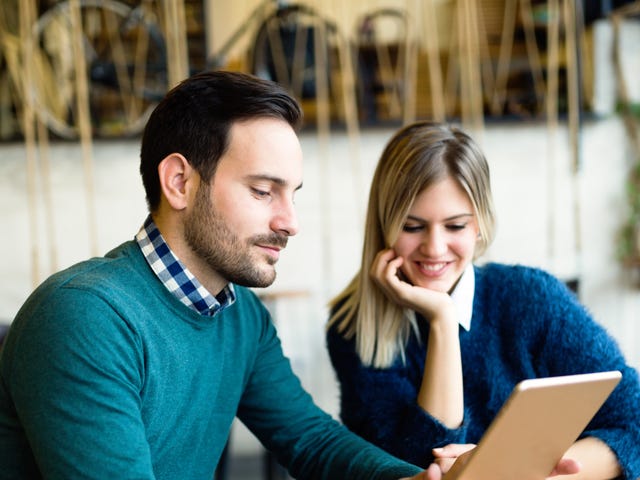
x,y
434,244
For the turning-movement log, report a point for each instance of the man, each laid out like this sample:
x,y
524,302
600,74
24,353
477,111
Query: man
x,y
134,365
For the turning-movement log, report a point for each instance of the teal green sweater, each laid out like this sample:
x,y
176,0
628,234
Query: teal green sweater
x,y
105,375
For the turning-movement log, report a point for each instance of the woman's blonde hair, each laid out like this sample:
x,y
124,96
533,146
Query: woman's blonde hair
x,y
417,156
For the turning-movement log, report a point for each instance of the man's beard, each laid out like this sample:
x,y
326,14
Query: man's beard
x,y
207,234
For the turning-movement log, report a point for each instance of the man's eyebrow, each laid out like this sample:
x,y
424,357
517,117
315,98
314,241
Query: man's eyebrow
x,y
273,179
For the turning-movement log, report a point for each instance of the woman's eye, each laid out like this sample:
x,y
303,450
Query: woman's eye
x,y
456,226
412,228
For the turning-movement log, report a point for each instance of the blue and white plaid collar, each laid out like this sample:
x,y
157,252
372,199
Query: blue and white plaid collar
x,y
176,277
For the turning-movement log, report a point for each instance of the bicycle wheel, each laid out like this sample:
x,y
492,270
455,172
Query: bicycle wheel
x,y
284,49
126,61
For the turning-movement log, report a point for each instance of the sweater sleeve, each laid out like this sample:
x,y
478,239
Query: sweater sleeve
x,y
575,343
75,377
304,438
381,404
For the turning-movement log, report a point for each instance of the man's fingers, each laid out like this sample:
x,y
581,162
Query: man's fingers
x,y
433,472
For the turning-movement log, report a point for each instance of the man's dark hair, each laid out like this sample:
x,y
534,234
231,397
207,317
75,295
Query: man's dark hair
x,y
195,117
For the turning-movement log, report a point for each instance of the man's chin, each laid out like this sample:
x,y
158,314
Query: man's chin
x,y
266,283
262,280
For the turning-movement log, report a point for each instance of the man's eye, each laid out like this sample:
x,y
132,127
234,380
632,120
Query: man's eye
x,y
260,193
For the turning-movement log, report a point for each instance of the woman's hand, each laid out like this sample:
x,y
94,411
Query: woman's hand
x,y
440,393
566,466
385,272
446,456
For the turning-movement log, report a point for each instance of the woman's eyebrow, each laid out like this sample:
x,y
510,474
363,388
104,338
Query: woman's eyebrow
x,y
448,219
459,216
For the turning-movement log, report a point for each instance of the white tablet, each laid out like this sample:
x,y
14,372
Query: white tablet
x,y
539,421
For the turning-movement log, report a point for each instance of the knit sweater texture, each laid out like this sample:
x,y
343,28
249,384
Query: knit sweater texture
x,y
525,324
106,375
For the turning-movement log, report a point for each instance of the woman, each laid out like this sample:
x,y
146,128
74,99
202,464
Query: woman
x,y
427,346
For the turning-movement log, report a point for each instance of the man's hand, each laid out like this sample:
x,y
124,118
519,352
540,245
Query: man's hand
x,y
565,466
431,473
444,459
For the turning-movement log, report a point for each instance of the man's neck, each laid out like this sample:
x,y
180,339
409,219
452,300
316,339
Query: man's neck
x,y
173,233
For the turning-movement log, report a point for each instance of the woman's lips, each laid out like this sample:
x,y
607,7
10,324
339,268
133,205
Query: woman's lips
x,y
433,269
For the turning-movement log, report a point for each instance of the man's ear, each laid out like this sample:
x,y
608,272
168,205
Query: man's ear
x,y
178,180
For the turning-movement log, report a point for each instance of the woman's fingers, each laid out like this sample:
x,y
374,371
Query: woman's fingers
x,y
384,272
453,450
565,466
446,456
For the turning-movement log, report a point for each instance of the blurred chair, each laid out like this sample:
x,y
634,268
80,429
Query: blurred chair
x,y
292,46
381,47
512,45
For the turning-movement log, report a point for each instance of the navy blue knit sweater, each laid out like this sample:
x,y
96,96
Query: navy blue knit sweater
x,y
525,324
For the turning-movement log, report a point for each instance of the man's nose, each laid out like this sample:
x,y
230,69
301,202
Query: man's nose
x,y
286,219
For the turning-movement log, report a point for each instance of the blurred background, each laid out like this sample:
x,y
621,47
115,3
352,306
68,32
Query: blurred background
x,y
550,89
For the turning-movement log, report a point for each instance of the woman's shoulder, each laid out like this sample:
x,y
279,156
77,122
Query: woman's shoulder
x,y
505,272
515,278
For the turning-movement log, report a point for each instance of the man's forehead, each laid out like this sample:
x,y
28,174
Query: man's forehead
x,y
265,149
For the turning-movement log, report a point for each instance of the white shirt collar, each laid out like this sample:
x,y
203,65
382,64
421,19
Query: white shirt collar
x,y
462,296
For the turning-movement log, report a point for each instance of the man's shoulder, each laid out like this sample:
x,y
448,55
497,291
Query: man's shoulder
x,y
117,266
117,274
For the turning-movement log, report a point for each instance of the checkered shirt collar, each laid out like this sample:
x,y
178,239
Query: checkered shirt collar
x,y
176,277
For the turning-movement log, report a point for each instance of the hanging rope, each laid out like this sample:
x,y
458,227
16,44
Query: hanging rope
x,y
435,68
27,16
174,20
84,120
551,106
